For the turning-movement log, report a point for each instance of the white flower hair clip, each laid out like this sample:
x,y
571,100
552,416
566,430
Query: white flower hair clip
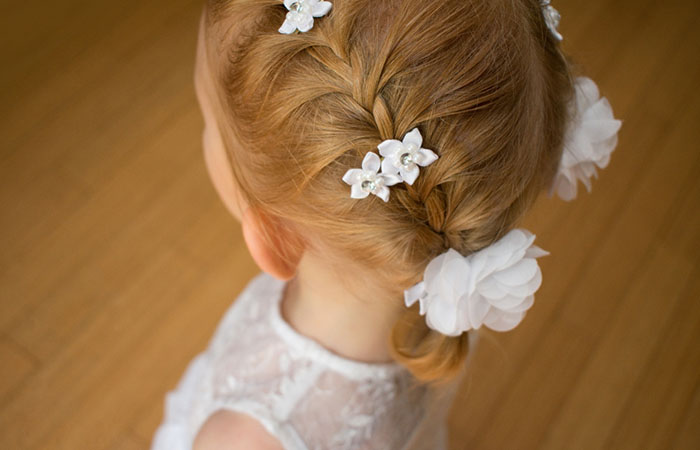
x,y
494,286
551,18
404,157
590,139
400,163
301,14
367,180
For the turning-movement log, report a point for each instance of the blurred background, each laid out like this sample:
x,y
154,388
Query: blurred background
x,y
117,258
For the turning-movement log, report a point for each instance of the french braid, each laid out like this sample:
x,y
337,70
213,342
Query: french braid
x,y
485,85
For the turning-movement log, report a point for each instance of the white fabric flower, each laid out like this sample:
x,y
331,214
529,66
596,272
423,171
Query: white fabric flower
x,y
551,18
404,157
493,287
367,181
301,14
590,139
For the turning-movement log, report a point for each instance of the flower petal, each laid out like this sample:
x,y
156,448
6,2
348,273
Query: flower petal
x,y
357,192
352,176
478,308
535,252
390,147
435,266
390,179
491,289
413,293
524,305
287,27
370,163
587,91
499,320
409,174
388,166
321,9
413,137
382,192
427,157
590,139
306,24
517,274
564,188
441,317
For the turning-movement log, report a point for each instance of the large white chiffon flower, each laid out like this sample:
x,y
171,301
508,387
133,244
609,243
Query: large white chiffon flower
x,y
590,139
404,157
301,14
367,181
493,287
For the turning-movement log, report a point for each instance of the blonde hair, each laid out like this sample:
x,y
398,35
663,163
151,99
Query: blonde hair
x,y
483,80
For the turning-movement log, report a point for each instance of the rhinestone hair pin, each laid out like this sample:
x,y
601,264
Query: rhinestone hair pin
x,y
401,163
301,14
551,18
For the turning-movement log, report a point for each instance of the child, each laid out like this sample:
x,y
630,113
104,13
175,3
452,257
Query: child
x,y
377,155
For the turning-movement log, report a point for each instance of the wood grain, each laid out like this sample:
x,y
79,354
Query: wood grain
x,y
118,258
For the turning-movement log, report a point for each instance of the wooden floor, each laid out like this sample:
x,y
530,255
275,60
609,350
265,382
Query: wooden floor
x,y
118,258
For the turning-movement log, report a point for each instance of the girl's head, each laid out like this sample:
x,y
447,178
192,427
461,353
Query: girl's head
x,y
288,115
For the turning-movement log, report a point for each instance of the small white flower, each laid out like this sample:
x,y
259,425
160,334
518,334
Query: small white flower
x,y
590,139
493,287
367,181
404,157
301,14
551,18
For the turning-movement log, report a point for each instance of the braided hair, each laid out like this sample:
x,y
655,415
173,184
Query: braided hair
x,y
482,79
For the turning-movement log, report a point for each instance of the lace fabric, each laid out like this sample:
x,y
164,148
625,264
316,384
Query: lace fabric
x,y
302,393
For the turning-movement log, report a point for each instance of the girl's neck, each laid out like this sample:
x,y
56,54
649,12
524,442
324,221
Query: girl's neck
x,y
316,304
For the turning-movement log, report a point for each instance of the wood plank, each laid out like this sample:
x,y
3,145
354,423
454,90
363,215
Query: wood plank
x,y
116,394
87,362
606,382
75,46
16,366
665,388
591,217
118,259
688,436
112,111
75,285
128,441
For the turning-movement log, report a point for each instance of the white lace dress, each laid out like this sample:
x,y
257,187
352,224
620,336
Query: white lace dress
x,y
303,394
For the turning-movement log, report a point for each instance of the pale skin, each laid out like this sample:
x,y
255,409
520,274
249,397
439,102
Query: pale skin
x,y
314,303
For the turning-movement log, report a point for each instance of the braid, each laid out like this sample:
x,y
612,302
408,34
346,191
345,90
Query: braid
x,y
354,82
362,91
382,117
488,96
435,207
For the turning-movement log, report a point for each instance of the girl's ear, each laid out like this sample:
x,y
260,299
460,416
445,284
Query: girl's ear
x,y
269,253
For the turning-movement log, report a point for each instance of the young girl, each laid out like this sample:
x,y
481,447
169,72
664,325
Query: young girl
x,y
378,156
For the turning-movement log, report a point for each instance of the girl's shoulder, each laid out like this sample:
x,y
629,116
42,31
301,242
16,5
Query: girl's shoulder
x,y
231,430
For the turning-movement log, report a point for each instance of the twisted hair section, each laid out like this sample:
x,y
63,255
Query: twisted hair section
x,y
483,81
